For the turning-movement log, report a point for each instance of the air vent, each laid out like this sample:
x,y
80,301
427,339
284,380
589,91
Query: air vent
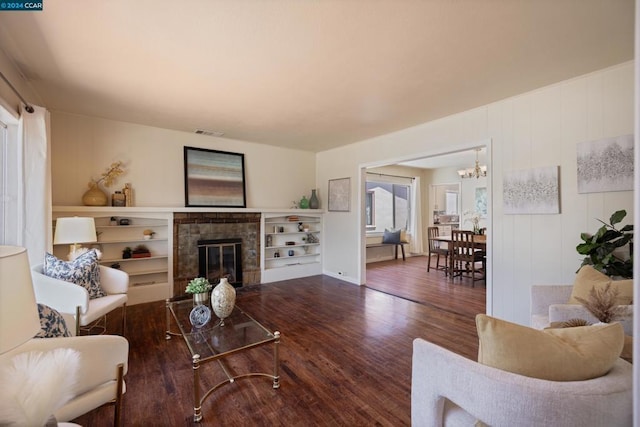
x,y
209,132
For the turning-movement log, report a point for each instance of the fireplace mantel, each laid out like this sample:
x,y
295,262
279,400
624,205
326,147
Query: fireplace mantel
x,y
179,209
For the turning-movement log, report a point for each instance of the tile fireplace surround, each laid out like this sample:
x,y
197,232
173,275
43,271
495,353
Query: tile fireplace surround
x,y
188,228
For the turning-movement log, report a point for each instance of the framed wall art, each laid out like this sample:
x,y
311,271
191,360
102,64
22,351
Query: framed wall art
x,y
532,191
339,194
213,178
605,165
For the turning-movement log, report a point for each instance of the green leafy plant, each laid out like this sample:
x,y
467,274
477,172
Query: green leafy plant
x,y
198,285
602,248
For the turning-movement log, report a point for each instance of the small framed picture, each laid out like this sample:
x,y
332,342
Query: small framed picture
x,y
339,195
213,178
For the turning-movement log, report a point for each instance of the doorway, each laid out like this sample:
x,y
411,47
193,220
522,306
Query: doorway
x,y
465,194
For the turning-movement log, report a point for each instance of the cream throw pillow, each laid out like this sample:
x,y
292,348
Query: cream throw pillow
x,y
569,354
588,277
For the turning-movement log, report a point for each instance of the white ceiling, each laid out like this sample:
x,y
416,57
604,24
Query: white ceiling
x,y
307,74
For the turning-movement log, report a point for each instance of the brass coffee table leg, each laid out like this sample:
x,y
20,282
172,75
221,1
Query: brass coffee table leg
x,y
276,362
197,405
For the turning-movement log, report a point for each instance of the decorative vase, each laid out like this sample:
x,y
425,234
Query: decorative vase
x,y
223,299
95,196
304,203
314,203
201,298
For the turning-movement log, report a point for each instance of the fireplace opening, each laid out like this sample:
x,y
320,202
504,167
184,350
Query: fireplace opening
x,y
221,258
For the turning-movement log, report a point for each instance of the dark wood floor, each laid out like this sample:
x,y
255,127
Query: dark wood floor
x,y
345,353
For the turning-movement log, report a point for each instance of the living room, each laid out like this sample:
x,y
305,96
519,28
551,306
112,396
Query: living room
x,y
533,127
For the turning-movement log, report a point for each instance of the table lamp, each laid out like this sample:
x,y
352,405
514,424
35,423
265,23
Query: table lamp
x,y
75,230
19,319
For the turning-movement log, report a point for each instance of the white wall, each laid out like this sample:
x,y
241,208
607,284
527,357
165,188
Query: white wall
x,y
83,147
539,128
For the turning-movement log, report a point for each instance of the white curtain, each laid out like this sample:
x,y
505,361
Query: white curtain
x,y
415,247
34,184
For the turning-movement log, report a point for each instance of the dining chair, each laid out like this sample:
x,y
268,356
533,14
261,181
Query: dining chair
x,y
464,256
436,247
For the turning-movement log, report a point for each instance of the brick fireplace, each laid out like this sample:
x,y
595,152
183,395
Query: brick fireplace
x,y
189,228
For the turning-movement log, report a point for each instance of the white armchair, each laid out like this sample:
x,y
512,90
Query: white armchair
x,y
450,390
549,304
102,361
103,365
71,299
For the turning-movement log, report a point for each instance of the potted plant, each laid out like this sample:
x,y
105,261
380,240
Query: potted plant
x,y
148,234
126,253
200,288
605,249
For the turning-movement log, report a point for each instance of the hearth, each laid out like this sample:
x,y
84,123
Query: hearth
x,y
221,258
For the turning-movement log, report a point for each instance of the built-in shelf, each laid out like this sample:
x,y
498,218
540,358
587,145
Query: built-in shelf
x,y
278,230
150,278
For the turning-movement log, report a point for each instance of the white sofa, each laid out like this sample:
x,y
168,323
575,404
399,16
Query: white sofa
x,y
549,304
71,299
450,390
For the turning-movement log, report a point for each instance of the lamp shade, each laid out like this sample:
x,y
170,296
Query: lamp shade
x,y
19,319
75,230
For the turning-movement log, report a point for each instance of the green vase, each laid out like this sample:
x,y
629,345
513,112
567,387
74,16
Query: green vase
x,y
304,203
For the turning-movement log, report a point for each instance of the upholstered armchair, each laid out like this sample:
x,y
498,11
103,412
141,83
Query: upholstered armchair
x,y
71,299
549,304
100,376
30,368
450,390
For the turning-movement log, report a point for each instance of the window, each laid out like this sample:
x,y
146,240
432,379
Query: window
x,y
370,204
387,204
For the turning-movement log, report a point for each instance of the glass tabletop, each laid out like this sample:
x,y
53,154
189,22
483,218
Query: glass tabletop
x,y
213,339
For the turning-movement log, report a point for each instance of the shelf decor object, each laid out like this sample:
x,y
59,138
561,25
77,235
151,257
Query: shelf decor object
x,y
75,230
339,195
314,203
95,196
213,178
223,299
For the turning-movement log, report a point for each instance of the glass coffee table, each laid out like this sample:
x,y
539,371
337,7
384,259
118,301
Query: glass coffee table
x,y
216,340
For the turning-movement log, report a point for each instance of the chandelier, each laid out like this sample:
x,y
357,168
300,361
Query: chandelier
x,y
475,172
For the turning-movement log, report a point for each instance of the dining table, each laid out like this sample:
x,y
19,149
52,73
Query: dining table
x,y
479,242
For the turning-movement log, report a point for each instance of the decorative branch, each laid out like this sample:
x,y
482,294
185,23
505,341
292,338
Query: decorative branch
x,y
602,304
114,171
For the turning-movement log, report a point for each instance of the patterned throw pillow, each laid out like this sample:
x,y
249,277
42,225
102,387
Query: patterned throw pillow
x,y
52,323
83,271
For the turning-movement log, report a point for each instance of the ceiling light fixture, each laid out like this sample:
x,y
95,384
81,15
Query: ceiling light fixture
x,y
475,172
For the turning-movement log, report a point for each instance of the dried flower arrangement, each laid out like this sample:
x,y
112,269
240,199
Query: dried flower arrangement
x,y
107,178
602,304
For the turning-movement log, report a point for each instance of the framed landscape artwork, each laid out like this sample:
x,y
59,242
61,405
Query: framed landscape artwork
x,y
213,178
339,194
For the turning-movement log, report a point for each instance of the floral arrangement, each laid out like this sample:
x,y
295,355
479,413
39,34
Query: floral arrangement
x,y
198,285
107,178
474,218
